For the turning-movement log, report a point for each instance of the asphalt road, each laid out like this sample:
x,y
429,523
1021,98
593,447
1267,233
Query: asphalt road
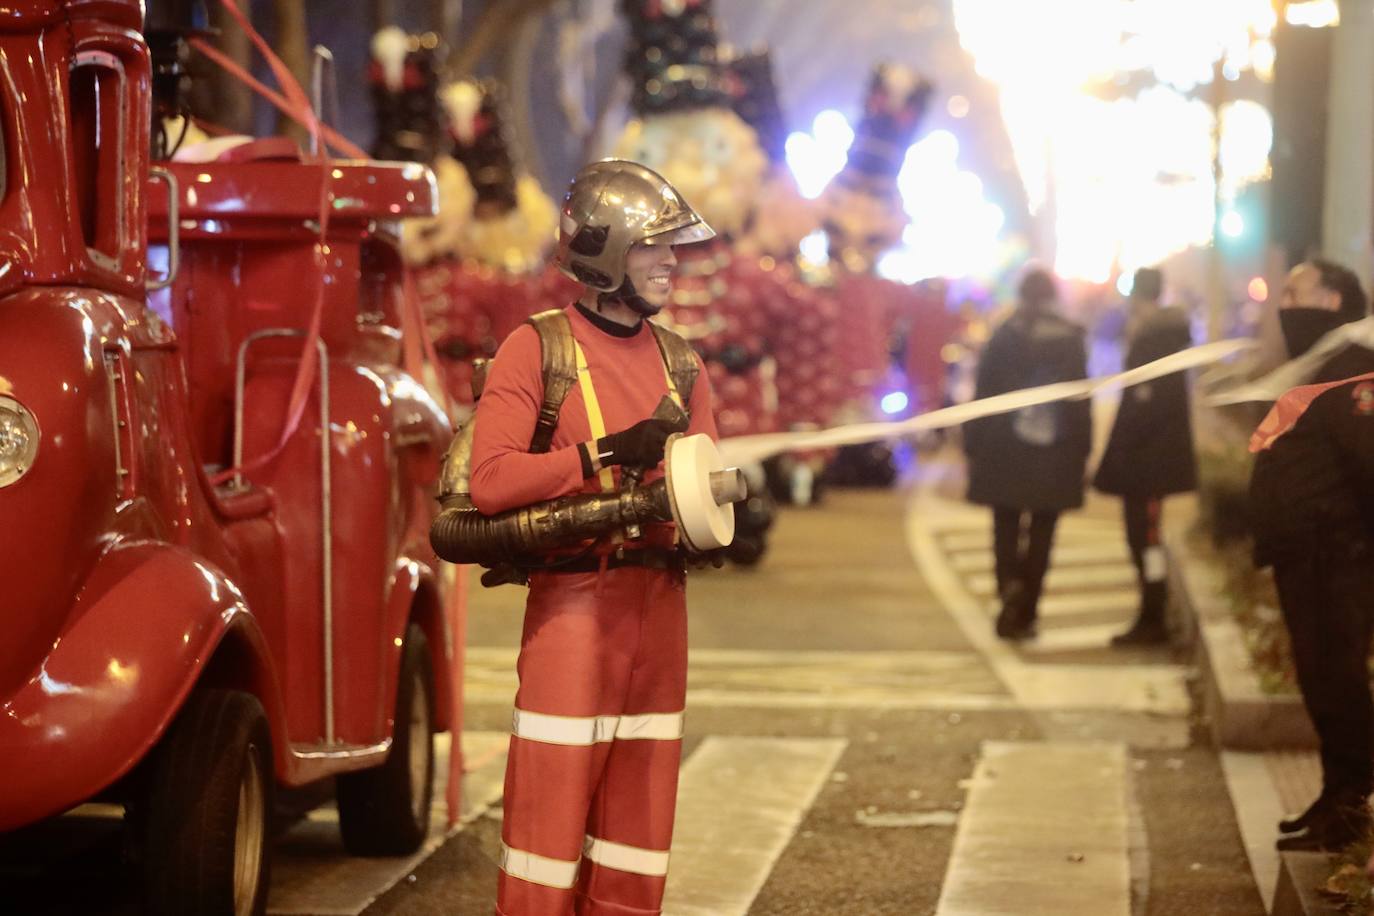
x,y
858,659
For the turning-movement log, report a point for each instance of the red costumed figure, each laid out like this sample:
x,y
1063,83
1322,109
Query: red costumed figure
x,y
591,781
805,340
505,244
728,306
864,217
405,83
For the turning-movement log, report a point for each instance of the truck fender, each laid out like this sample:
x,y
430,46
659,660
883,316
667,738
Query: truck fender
x,y
417,596
148,622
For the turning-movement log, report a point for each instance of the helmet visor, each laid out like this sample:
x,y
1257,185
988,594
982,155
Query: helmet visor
x,y
696,231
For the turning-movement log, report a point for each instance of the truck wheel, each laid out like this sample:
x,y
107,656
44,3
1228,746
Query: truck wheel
x,y
384,811
205,827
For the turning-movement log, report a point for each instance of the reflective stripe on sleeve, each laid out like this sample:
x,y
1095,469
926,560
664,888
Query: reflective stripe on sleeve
x,y
537,869
632,859
582,731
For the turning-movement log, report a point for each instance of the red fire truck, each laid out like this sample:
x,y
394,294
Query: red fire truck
x,y
184,629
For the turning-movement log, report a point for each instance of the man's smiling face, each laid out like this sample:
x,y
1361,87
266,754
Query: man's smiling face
x,y
650,269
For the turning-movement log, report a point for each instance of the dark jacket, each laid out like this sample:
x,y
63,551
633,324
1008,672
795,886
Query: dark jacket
x,y
1032,458
1150,450
1313,488
1345,363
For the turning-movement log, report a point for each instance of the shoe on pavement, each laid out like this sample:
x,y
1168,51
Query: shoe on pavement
x,y
1015,624
1314,810
1331,830
1141,634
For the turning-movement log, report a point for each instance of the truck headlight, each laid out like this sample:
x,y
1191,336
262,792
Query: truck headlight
x,y
18,440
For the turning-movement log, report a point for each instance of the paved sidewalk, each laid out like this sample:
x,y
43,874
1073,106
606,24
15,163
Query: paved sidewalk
x,y
1264,787
1133,707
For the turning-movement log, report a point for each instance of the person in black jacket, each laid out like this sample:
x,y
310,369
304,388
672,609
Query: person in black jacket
x,y
1028,465
1149,454
1312,508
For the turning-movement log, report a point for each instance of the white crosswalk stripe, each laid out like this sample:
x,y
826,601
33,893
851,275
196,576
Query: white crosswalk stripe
x,y
1058,581
793,679
740,801
1084,604
979,559
1044,832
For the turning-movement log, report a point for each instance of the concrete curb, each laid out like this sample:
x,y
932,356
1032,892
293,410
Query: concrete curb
x,y
1300,874
1241,715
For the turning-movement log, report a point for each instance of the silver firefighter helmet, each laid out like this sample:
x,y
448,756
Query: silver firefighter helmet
x,y
611,205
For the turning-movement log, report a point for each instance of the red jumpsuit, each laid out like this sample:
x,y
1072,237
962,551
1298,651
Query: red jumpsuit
x,y
591,781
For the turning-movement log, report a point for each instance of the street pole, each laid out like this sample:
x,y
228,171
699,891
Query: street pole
x,y
1348,207
1216,268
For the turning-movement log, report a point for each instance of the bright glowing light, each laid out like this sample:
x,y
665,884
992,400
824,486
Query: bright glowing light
x,y
1258,289
816,247
894,402
1262,56
954,231
1087,153
1315,13
1232,224
817,157
832,129
1247,133
957,106
1124,282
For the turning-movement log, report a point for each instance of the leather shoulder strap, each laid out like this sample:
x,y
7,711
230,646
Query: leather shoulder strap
x,y
680,360
559,368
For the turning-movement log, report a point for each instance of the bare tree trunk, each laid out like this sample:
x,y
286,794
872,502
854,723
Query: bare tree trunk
x,y
383,14
293,48
444,19
496,24
232,105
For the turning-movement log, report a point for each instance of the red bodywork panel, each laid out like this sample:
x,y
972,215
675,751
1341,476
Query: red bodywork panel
x,y
130,578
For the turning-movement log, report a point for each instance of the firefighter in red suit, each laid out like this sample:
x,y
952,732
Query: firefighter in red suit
x,y
591,782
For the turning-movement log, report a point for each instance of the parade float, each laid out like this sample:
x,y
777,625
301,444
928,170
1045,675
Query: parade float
x,y
503,273
200,355
480,264
806,343
727,305
863,218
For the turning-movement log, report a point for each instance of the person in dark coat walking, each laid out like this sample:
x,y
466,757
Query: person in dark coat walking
x,y
1312,506
1149,454
1028,465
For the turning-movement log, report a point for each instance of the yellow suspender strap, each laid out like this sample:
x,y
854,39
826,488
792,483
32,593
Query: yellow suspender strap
x,y
672,387
594,418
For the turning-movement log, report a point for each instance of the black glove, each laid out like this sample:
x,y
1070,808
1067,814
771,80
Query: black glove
x,y
639,446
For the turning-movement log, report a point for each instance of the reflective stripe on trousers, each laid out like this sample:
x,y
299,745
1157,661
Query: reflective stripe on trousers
x,y
591,780
537,869
574,730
